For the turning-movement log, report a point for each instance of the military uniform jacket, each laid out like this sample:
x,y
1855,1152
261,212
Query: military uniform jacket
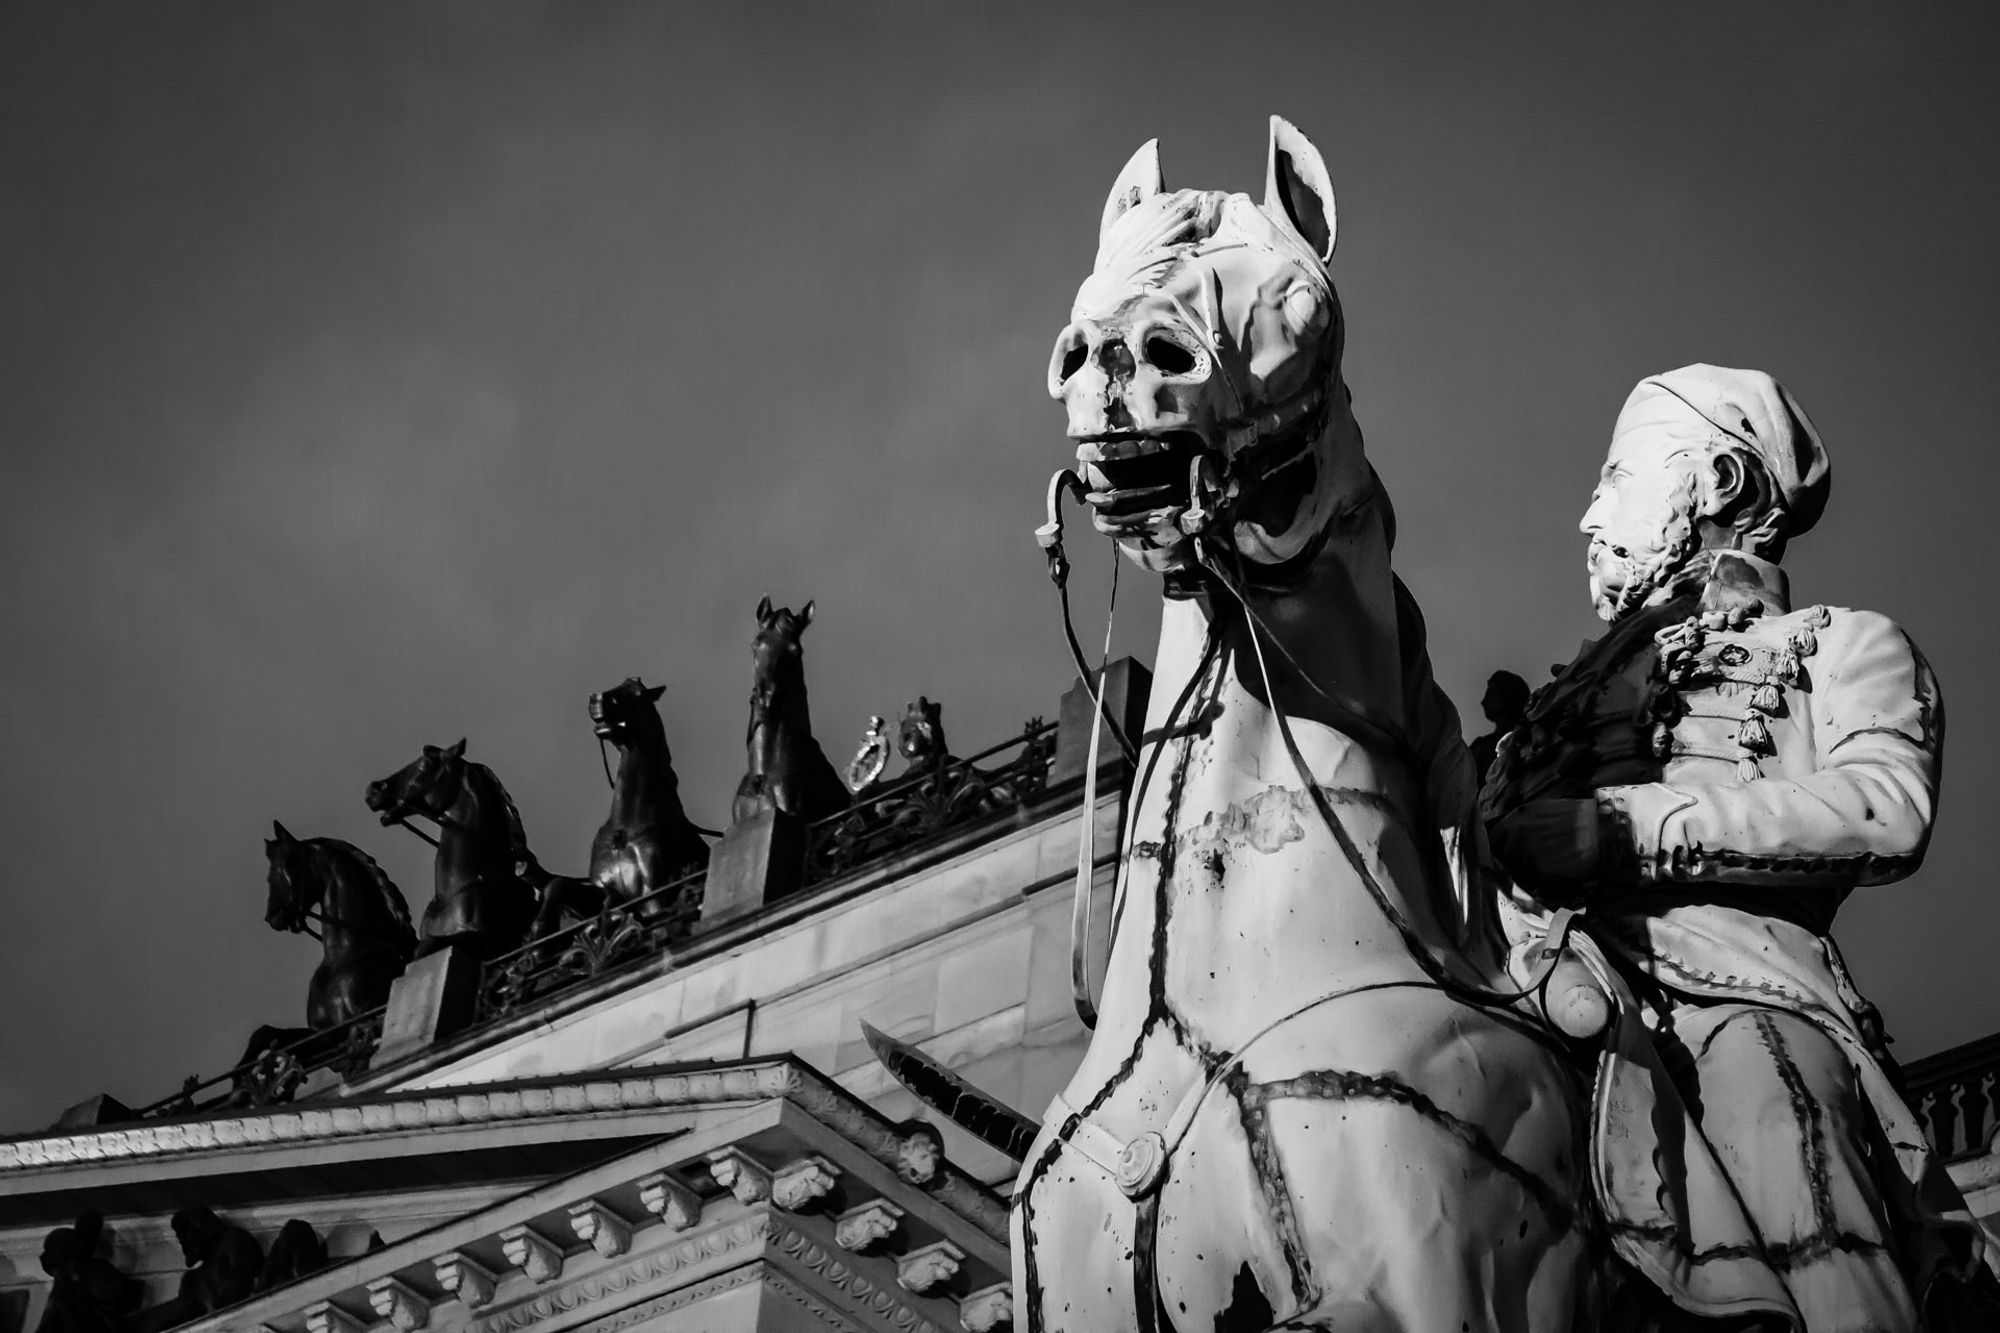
x,y
1752,766
1742,752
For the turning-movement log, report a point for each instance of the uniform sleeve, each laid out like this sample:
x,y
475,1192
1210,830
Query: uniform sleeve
x,y
1864,817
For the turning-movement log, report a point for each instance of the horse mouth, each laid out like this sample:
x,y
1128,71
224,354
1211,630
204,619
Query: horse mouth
x,y
1131,475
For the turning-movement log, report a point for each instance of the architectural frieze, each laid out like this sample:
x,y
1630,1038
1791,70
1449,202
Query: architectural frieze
x,y
654,1266
848,1280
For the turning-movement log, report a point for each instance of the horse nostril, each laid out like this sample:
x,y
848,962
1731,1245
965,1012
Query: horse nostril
x,y
1072,361
1169,356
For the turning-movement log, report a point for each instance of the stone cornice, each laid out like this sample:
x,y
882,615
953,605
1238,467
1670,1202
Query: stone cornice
x,y
528,1099
516,1102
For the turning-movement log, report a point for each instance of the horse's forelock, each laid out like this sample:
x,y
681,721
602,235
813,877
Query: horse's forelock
x,y
1160,233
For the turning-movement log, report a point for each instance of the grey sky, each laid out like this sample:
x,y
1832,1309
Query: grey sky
x,y
380,374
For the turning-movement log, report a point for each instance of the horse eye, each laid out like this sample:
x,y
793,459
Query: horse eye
x,y
1169,356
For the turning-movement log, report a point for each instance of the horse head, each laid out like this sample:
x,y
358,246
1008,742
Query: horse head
x,y
920,738
628,714
775,653
428,785
293,890
1200,369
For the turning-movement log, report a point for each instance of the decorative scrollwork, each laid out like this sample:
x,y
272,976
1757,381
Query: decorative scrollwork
x,y
613,939
938,795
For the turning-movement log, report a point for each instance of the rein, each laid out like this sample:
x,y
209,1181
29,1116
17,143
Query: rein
x,y
1355,718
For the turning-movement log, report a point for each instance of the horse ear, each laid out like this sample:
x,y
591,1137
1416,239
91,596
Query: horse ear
x,y
764,609
653,695
1139,181
456,751
284,834
806,614
1296,188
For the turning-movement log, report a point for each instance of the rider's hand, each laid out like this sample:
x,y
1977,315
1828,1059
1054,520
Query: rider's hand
x,y
1552,848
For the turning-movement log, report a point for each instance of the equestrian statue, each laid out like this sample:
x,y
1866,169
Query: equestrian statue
x,y
1313,1097
480,899
646,842
1707,783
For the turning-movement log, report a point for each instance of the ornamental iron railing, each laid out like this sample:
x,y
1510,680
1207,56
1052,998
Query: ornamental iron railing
x,y
1956,1094
932,800
580,953
275,1074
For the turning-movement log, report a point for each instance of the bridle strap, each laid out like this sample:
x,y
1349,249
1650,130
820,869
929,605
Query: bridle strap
x,y
1086,842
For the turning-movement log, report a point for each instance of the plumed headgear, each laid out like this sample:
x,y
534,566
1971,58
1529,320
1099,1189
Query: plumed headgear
x,y
1749,408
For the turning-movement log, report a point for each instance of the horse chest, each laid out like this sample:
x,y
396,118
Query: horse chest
x,y
1238,903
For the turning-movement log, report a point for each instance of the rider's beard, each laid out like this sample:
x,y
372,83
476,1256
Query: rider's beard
x,y
1630,562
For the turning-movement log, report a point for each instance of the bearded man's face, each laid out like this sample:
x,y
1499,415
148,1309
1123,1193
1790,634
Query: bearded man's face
x,y
1642,520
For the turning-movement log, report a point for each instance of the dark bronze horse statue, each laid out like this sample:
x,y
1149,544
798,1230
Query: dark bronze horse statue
x,y
364,929
481,899
788,771
364,922
647,841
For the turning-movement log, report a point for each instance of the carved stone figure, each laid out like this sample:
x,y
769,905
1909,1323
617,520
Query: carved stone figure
x,y
480,899
364,924
646,841
297,1251
87,1293
1710,780
788,771
223,1262
1505,704
1304,1104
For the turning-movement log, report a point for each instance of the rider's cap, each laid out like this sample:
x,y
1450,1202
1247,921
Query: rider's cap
x,y
1746,406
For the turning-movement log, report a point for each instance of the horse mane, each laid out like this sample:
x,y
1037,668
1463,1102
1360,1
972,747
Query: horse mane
x,y
385,888
517,834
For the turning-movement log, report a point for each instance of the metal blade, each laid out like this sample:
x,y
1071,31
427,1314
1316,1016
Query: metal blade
x,y
979,1114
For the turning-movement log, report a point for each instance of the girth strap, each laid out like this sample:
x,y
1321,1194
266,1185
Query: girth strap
x,y
1139,1165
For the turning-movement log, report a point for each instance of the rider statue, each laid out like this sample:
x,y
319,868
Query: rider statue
x,y
1708,782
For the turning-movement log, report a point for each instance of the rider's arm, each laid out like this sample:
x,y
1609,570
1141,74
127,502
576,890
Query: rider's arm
x,y
1864,817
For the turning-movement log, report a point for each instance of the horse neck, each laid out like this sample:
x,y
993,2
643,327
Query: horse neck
x,y
351,904
1339,623
477,837
646,787
784,720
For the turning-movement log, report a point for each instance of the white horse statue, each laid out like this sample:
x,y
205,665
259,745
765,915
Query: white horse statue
x,y
1309,1101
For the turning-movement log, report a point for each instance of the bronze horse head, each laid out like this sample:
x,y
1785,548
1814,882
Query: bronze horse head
x,y
428,785
627,714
